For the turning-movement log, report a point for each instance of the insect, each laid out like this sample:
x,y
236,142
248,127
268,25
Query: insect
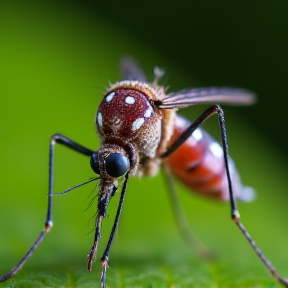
x,y
141,132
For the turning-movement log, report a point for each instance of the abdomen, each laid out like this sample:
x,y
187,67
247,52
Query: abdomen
x,y
199,164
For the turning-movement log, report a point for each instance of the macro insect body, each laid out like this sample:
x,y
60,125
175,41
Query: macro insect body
x,y
141,132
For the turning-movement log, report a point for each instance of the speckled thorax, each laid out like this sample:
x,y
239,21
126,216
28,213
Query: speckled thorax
x,y
128,117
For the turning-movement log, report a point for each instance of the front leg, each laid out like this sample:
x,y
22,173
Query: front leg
x,y
60,139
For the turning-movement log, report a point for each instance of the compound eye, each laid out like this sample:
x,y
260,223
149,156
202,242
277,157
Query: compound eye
x,y
94,163
116,165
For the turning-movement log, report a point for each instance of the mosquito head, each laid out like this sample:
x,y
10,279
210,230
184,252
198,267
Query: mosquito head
x,y
115,164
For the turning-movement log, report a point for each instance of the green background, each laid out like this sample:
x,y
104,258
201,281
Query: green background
x,y
56,60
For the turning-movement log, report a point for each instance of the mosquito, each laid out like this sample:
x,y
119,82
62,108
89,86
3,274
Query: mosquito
x,y
140,132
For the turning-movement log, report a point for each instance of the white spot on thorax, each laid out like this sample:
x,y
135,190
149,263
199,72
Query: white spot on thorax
x,y
216,149
148,112
197,134
137,124
117,121
110,97
100,119
129,100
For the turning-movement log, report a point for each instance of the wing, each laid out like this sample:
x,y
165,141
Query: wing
x,y
213,95
131,70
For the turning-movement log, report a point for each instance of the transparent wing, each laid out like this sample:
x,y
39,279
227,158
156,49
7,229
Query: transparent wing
x,y
213,95
130,70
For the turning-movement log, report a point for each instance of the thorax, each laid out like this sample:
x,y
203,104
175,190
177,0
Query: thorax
x,y
127,116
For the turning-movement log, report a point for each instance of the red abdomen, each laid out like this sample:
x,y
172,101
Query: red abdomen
x,y
199,164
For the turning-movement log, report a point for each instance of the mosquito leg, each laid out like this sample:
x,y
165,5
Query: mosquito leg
x,y
234,211
25,258
216,109
188,132
56,138
181,220
105,256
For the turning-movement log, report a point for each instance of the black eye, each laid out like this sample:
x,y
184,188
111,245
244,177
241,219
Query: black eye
x,y
94,163
116,165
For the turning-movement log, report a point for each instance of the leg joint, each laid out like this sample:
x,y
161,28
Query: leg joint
x,y
48,225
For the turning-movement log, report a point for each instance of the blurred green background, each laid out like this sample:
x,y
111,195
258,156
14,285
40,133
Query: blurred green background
x,y
57,58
